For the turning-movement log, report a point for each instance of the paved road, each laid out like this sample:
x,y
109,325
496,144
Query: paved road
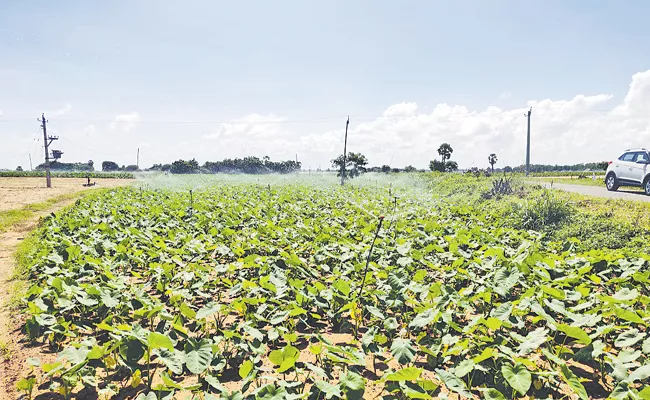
x,y
597,191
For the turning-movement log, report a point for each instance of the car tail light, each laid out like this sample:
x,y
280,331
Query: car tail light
x,y
610,162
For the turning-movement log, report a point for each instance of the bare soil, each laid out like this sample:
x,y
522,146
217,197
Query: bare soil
x,y
18,192
14,194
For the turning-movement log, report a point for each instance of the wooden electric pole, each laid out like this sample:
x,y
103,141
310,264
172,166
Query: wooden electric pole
x,y
345,151
528,142
47,141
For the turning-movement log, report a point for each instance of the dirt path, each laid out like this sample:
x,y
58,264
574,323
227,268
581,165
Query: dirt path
x,y
13,350
18,192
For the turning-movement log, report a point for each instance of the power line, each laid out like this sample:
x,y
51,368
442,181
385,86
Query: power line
x,y
334,119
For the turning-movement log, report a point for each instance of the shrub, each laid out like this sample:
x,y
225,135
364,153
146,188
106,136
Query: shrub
x,y
544,212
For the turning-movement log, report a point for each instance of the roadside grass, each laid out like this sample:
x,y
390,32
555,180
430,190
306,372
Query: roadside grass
x,y
596,222
10,218
600,181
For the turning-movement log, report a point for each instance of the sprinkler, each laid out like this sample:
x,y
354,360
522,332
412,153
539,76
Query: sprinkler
x,y
191,202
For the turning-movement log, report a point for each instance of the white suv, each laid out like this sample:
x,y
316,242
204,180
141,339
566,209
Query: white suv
x,y
631,169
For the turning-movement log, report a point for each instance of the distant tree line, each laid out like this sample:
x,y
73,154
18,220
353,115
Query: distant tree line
x,y
593,166
61,166
246,165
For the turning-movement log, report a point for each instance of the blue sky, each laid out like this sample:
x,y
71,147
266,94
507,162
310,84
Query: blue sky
x,y
114,76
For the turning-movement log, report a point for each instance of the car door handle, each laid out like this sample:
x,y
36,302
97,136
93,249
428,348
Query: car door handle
x,y
630,168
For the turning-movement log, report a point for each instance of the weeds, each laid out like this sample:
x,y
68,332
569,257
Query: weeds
x,y
6,352
546,211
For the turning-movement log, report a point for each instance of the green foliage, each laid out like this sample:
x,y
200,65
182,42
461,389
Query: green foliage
x,y
355,165
256,282
109,166
445,151
547,211
64,174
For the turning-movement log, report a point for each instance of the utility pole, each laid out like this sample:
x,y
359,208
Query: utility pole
x,y
528,142
345,151
137,163
47,141
30,162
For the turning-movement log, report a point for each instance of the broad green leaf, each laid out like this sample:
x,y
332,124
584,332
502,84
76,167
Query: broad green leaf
x,y
198,355
404,374
26,384
464,368
575,332
131,350
402,350
328,389
351,381
375,311
574,383
517,376
645,393
453,383
285,359
423,319
628,338
532,341
628,315
173,360
148,396
245,368
271,392
488,352
553,292
493,323
187,311
207,310
640,373
157,340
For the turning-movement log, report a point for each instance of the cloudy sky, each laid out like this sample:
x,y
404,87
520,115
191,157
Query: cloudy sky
x,y
215,79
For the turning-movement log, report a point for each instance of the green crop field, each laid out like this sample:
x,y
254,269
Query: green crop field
x,y
67,174
411,288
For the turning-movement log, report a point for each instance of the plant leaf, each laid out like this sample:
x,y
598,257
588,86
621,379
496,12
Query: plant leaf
x,y
517,376
453,383
157,340
404,374
402,350
198,355
574,383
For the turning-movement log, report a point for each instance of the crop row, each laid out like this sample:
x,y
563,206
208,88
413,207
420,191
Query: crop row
x,y
67,174
250,291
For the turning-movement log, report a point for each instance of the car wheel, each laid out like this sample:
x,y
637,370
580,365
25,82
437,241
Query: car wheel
x,y
611,182
646,186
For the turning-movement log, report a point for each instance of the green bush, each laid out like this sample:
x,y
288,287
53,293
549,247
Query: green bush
x,y
543,212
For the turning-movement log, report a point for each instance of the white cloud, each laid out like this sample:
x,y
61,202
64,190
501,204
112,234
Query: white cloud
x,y
581,129
125,122
90,130
505,95
61,111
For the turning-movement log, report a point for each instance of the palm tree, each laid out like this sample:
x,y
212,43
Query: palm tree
x,y
492,159
445,151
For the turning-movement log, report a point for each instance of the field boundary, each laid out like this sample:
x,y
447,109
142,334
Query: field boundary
x,y
17,244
